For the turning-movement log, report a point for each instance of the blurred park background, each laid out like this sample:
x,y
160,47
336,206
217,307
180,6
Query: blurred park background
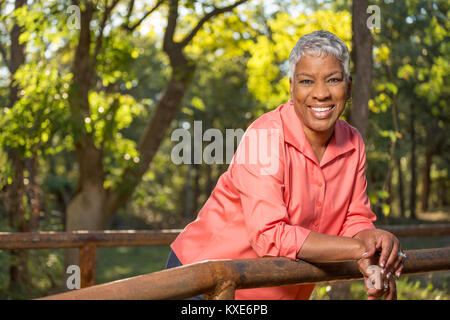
x,y
90,92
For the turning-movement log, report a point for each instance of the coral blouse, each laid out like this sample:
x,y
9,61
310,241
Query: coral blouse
x,y
269,206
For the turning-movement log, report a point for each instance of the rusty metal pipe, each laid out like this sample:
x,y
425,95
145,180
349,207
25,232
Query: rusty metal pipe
x,y
180,282
204,277
224,291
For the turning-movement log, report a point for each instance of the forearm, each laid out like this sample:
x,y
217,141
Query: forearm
x,y
326,248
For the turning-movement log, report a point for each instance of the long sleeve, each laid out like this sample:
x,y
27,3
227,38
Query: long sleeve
x,y
260,186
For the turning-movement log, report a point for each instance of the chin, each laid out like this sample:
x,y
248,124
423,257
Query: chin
x,y
322,128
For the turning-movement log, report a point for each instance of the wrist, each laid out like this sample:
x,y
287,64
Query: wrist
x,y
360,249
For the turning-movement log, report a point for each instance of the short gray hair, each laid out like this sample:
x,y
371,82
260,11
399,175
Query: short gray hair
x,y
320,43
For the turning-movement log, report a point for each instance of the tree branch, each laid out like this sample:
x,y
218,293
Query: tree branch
x,y
171,25
138,23
5,56
208,16
99,40
129,12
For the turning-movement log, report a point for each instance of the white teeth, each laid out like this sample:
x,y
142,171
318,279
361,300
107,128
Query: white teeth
x,y
321,109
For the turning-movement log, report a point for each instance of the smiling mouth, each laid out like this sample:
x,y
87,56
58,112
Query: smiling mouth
x,y
321,109
322,112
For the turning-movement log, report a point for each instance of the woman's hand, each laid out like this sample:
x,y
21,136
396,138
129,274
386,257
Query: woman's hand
x,y
388,287
384,242
389,259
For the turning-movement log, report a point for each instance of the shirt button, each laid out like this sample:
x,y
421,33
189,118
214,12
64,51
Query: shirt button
x,y
316,223
319,184
319,204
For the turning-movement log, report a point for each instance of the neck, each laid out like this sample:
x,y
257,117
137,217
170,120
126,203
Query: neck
x,y
318,140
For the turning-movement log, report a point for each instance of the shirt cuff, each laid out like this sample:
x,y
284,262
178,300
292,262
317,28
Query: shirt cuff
x,y
353,230
301,234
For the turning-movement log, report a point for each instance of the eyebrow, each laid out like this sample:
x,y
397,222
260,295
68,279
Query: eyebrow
x,y
309,75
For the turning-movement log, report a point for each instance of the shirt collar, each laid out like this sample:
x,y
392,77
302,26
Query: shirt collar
x,y
339,144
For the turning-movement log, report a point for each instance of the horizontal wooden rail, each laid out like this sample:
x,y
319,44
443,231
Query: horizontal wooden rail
x,y
117,238
418,230
220,278
76,239
87,242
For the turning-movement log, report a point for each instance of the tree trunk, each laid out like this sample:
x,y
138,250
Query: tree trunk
x,y
196,191
188,194
209,180
362,58
85,210
33,193
401,194
412,195
15,193
166,110
426,181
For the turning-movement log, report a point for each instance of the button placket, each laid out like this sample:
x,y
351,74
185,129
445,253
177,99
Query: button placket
x,y
321,198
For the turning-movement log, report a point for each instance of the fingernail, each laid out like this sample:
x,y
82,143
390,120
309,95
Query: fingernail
x,y
388,275
382,264
398,274
365,254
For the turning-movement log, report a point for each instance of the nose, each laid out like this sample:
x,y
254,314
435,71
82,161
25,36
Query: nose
x,y
320,91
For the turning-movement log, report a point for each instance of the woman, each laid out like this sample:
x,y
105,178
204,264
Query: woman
x,y
312,205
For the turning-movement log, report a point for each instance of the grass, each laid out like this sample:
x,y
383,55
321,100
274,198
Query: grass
x,y
123,262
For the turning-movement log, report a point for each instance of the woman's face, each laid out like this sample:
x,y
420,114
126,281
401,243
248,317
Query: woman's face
x,y
319,93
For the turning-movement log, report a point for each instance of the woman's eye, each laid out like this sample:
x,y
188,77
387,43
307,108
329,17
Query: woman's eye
x,y
335,80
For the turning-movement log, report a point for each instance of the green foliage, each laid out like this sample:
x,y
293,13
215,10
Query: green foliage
x,y
45,268
410,71
241,72
33,121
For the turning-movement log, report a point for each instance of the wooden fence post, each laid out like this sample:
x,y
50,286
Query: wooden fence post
x,y
87,265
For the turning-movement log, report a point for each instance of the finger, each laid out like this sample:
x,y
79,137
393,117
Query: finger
x,y
374,284
371,248
379,243
393,257
392,291
386,247
363,264
398,266
373,294
398,270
